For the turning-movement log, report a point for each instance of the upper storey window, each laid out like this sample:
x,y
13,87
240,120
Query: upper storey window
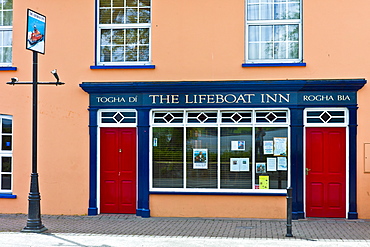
x,y
124,32
274,31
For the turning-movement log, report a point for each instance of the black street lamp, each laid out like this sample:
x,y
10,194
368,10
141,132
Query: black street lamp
x,y
34,223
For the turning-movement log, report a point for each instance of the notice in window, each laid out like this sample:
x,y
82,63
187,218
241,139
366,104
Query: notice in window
x,y
282,163
239,164
268,147
238,145
200,158
264,182
261,167
271,164
280,146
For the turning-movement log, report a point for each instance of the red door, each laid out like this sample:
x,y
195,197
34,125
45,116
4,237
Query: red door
x,y
326,172
118,170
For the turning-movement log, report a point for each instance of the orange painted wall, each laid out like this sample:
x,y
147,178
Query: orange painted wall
x,y
191,40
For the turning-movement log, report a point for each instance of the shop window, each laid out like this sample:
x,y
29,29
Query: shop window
x,y
6,153
220,150
123,32
273,31
6,32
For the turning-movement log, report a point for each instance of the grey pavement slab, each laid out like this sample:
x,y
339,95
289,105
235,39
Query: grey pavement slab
x,y
195,231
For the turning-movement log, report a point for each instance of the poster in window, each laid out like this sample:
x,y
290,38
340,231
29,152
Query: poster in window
x,y
36,27
244,164
264,182
282,163
280,146
239,164
271,164
268,147
238,145
200,158
261,167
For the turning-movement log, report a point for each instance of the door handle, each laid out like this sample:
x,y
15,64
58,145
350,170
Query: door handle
x,y
307,170
119,174
120,150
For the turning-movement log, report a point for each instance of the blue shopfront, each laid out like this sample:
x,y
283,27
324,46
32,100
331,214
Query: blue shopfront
x,y
237,138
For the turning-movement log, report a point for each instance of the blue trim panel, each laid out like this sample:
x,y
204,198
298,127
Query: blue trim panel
x,y
244,65
352,144
8,68
93,179
296,159
143,163
217,193
8,196
223,86
124,67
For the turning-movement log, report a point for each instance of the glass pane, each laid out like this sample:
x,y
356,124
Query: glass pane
x,y
131,36
7,38
118,3
118,54
266,33
280,12
105,38
144,36
131,53
132,15
6,143
105,3
7,125
144,3
280,32
270,166
266,11
118,37
267,51
280,50
144,53
6,164
168,158
6,182
8,4
254,33
105,53
7,54
253,12
131,3
236,158
8,18
201,157
293,50
118,16
105,16
253,51
144,15
294,11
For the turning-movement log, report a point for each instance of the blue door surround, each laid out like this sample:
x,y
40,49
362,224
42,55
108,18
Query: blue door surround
x,y
293,94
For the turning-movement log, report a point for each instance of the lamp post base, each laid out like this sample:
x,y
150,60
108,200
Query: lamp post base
x,y
36,229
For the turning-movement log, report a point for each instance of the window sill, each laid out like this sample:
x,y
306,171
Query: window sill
x,y
244,65
8,196
217,193
124,67
8,68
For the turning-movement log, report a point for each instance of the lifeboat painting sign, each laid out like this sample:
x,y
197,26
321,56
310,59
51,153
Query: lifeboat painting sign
x,y
36,27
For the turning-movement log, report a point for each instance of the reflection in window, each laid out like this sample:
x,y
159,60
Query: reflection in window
x,y
168,157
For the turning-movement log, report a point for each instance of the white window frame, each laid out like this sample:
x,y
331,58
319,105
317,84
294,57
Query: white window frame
x,y
273,23
218,124
121,26
6,153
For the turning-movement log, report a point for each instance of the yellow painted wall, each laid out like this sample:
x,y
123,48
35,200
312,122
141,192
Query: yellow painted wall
x,y
191,40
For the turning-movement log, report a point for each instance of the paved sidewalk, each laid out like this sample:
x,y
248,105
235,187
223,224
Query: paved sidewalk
x,y
130,226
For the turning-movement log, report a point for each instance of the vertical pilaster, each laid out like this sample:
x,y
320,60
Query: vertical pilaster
x,y
93,176
296,161
143,163
352,149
